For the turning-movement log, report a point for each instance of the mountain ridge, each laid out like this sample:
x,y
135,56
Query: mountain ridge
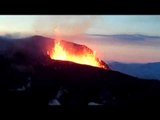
x,y
142,70
129,35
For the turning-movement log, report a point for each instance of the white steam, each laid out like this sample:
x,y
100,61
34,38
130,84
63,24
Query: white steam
x,y
71,25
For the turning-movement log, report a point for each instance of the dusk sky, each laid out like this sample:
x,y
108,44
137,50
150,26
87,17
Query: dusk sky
x,y
98,24
111,49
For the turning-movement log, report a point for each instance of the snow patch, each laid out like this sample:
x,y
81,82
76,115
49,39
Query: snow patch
x,y
93,103
54,102
21,89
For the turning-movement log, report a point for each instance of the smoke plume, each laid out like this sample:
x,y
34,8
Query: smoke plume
x,y
68,25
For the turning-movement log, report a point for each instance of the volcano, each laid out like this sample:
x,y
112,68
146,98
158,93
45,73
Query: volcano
x,y
29,77
38,47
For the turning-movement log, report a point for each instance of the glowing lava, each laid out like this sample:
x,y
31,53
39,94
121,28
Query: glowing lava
x,y
59,52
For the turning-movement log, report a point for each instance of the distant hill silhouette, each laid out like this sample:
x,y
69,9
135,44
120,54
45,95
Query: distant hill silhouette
x,y
129,36
141,70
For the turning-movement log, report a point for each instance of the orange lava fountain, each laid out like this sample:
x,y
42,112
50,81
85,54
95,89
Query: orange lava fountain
x,y
59,53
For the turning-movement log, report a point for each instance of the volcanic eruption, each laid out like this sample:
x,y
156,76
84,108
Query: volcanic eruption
x,y
62,51
29,77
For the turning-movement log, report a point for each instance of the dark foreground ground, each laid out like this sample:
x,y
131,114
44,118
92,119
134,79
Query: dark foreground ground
x,y
33,83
